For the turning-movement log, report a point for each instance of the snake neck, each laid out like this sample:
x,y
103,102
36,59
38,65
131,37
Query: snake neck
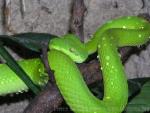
x,y
114,77
121,29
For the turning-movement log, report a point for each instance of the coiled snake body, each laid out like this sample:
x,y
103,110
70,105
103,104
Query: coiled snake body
x,y
65,51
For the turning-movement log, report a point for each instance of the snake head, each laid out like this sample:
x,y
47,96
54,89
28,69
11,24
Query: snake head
x,y
70,45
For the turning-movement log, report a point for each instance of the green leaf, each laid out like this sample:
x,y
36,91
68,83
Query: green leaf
x,y
141,102
135,86
32,41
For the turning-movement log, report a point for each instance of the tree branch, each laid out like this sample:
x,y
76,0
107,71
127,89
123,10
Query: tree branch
x,y
77,18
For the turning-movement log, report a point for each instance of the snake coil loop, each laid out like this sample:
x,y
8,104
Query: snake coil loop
x,y
64,52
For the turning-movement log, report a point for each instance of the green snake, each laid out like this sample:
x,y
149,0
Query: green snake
x,y
68,50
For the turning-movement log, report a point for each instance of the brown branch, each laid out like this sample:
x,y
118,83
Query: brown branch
x,y
7,16
48,100
22,8
44,58
77,18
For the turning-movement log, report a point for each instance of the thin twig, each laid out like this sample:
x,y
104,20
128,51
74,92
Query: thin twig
x,y
44,58
7,16
23,8
77,18
143,4
7,12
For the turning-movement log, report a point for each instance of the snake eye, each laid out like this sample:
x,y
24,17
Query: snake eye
x,y
72,50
